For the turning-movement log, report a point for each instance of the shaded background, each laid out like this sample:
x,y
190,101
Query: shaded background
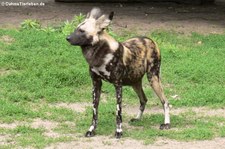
x,y
139,17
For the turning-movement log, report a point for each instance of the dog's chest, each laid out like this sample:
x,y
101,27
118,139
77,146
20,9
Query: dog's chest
x,y
103,70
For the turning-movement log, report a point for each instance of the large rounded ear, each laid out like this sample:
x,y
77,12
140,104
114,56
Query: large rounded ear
x,y
95,13
88,15
104,21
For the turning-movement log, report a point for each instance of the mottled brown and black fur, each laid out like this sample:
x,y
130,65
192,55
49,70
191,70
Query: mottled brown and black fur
x,y
121,64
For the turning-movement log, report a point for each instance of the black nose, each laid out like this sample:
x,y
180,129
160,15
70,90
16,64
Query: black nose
x,y
68,38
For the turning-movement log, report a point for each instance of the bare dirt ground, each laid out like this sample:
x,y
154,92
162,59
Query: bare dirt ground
x,y
101,142
109,142
140,18
137,17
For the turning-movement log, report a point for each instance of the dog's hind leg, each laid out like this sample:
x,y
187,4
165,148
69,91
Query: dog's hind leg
x,y
143,100
155,83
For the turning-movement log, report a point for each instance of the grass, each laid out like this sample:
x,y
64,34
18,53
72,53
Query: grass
x,y
39,68
187,126
26,136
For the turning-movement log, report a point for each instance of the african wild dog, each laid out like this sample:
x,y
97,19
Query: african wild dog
x,y
118,63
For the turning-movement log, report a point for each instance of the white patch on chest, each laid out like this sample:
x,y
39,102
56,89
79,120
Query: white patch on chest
x,y
102,68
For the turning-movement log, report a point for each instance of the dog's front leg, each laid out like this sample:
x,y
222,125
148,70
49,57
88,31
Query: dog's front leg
x,y
97,84
118,133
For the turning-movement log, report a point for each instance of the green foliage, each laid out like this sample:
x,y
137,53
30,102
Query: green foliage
x,y
66,28
30,24
69,26
78,18
48,29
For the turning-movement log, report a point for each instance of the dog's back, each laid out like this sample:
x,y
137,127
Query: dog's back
x,y
140,55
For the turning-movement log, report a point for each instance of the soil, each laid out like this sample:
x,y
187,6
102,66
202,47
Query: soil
x,y
77,107
133,110
140,18
6,39
102,142
111,143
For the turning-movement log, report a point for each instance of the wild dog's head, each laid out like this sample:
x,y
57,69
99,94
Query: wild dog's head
x,y
88,32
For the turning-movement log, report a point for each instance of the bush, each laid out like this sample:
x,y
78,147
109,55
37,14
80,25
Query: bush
x,y
66,28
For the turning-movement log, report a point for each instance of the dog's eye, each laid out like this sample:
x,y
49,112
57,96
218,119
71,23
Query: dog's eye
x,y
81,31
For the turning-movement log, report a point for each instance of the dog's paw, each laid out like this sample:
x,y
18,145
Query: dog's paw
x,y
89,134
164,126
118,135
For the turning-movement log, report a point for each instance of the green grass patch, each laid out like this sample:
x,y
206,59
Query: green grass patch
x,y
47,67
185,127
26,136
106,123
38,67
13,111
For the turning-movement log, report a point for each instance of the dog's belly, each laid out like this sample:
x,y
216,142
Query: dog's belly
x,y
132,75
128,75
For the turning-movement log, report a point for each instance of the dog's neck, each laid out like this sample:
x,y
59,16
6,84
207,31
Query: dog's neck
x,y
94,54
113,44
